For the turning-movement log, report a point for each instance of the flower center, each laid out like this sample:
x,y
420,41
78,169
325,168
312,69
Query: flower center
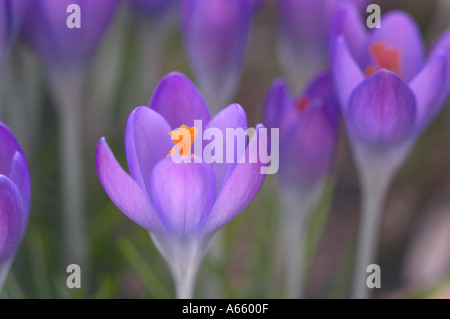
x,y
384,58
183,139
302,103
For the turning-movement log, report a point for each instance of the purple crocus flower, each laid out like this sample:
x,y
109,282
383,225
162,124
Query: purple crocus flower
x,y
215,35
11,15
389,92
181,205
303,37
14,198
308,127
47,32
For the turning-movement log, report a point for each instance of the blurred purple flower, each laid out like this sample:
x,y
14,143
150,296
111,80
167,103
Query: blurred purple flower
x,y
389,92
14,198
181,205
308,130
308,138
11,15
303,37
215,35
46,31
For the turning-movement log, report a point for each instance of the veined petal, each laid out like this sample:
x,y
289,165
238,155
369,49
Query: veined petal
x,y
232,117
382,110
429,88
178,100
183,194
147,141
346,73
399,31
124,192
238,191
11,218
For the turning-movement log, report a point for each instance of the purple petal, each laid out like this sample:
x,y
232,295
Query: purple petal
x,y
346,72
177,99
442,45
215,33
429,88
382,110
11,218
9,146
232,117
154,8
308,150
399,31
348,24
147,141
45,29
183,194
278,110
124,192
238,191
20,175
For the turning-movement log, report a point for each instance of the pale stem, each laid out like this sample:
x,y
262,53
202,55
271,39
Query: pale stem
x,y
4,270
67,90
375,184
297,205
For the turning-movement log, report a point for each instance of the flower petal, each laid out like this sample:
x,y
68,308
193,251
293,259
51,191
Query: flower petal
x,y
232,117
348,24
11,218
429,88
20,175
147,141
183,194
45,29
346,73
398,30
178,100
9,146
215,34
442,45
382,110
123,191
239,190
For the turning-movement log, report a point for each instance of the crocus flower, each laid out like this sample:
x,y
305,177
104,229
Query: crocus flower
x,y
11,16
308,136
181,204
389,92
14,198
215,35
303,37
47,32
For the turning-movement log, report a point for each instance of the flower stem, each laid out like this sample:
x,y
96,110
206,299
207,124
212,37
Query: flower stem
x,y
375,184
296,206
67,89
4,270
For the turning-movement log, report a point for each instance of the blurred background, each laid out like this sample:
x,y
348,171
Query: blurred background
x,y
414,253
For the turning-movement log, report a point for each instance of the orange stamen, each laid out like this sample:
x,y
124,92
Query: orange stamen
x,y
302,104
183,139
384,58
